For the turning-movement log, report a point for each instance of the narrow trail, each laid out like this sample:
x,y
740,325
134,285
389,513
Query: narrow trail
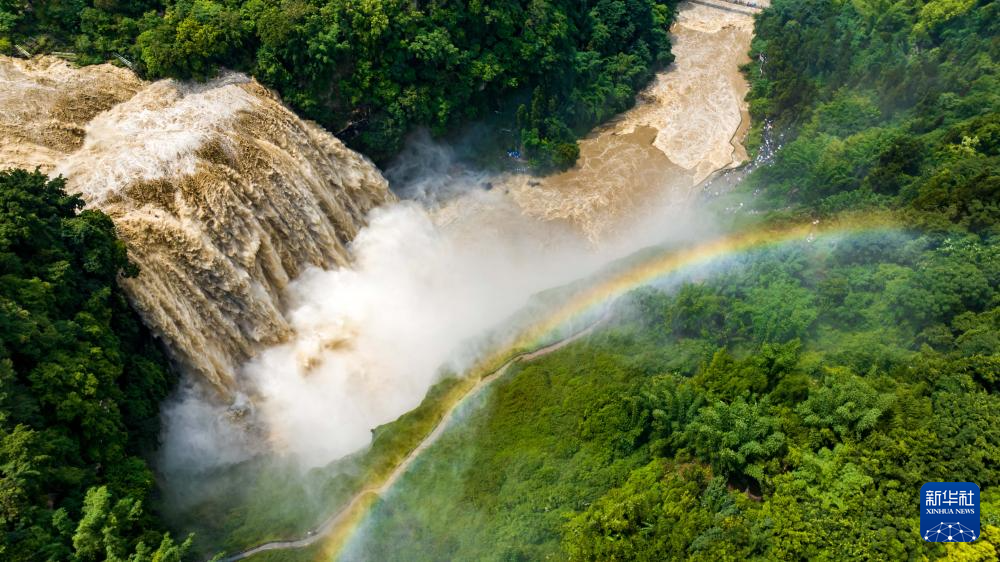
x,y
335,520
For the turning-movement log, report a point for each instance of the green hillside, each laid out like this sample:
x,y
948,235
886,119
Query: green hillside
x,y
786,403
80,386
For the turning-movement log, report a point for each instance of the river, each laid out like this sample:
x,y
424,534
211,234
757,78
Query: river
x,y
689,123
285,278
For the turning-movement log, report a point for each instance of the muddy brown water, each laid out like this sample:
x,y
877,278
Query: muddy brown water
x,y
689,123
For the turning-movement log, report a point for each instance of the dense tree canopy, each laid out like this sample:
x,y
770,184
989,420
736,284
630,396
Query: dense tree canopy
x,y
873,363
883,104
80,385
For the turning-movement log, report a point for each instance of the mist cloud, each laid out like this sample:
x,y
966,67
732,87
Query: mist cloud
x,y
430,277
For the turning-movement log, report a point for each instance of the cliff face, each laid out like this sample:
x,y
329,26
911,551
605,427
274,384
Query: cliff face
x,y
221,194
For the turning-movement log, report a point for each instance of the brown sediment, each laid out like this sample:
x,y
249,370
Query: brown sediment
x,y
45,104
221,194
689,123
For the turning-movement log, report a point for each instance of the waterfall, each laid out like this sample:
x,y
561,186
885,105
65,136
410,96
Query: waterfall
x,y
221,194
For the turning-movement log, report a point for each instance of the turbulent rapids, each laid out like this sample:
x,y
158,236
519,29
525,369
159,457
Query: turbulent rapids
x,y
687,124
221,194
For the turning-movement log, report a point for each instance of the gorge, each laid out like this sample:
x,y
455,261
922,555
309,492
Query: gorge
x,y
742,324
224,198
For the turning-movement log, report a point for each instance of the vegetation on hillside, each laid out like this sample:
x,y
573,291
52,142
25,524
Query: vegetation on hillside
x,y
546,71
888,105
80,386
788,407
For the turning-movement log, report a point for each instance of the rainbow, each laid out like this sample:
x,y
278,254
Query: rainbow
x,y
670,262
589,300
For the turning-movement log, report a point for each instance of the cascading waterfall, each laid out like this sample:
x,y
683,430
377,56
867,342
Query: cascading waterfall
x,y
221,194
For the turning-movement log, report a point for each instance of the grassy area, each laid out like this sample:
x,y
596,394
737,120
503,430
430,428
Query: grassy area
x,y
514,451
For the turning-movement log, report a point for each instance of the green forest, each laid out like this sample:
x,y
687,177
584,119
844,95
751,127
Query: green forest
x,y
81,382
374,70
889,105
790,407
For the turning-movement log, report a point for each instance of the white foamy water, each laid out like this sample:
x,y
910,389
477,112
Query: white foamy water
x,y
221,194
686,124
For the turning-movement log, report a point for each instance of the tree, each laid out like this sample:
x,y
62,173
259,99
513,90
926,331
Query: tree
x,y
190,40
105,525
80,381
844,407
662,511
737,439
779,311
